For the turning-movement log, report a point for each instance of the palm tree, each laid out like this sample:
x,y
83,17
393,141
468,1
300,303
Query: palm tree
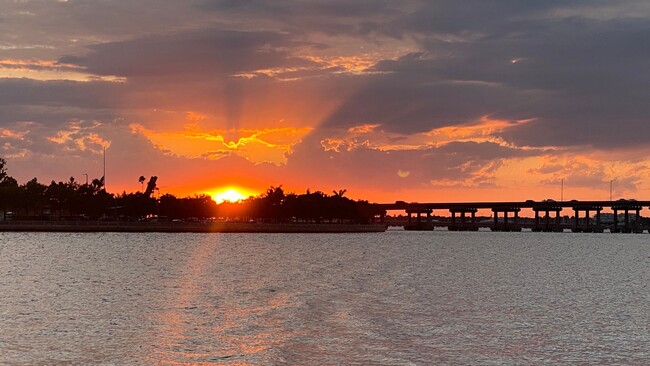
x,y
141,180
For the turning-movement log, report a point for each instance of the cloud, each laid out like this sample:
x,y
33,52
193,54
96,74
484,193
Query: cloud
x,y
59,93
339,159
450,94
574,76
449,82
79,137
271,145
191,54
330,17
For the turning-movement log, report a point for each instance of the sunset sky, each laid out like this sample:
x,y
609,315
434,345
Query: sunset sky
x,y
392,100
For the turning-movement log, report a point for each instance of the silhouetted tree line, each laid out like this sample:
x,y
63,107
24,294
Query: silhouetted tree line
x,y
74,201
276,206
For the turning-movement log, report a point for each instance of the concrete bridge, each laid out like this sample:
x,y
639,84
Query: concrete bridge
x,y
505,215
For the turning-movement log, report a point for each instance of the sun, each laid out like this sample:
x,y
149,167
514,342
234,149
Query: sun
x,y
231,194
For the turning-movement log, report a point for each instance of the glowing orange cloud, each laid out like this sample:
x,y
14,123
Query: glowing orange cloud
x,y
41,64
80,138
10,134
270,145
341,64
350,64
49,70
363,128
370,135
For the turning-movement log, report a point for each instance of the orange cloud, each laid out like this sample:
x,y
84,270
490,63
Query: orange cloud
x,y
363,128
353,64
369,135
49,70
195,117
584,176
483,130
281,73
10,134
269,145
38,64
78,137
348,64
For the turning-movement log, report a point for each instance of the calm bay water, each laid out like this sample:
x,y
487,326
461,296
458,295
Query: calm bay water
x,y
394,298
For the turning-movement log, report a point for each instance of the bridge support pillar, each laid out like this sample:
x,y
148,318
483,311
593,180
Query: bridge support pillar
x,y
547,220
546,225
419,223
463,225
628,226
587,227
506,226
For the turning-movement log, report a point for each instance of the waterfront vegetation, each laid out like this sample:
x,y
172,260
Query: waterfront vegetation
x,y
72,200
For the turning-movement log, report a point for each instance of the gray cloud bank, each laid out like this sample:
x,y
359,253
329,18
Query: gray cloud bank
x,y
578,69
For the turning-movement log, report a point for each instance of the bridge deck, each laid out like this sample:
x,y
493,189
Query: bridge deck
x,y
629,204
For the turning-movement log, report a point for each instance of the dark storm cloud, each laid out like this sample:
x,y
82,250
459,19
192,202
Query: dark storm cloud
x,y
64,25
52,116
327,16
190,54
460,17
568,54
507,60
412,96
578,76
578,68
40,110
583,78
59,93
335,8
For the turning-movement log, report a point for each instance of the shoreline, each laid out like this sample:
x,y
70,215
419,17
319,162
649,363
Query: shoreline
x,y
185,227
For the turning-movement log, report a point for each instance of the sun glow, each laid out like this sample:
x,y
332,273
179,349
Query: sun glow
x,y
231,194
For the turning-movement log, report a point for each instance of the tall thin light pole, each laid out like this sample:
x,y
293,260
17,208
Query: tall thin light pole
x,y
104,176
86,175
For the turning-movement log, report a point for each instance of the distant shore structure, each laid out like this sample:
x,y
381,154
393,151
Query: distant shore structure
x,y
420,218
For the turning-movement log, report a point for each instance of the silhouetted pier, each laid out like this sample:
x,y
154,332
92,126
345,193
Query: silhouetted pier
x,y
505,216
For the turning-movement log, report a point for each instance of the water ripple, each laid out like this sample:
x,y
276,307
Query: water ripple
x,y
398,298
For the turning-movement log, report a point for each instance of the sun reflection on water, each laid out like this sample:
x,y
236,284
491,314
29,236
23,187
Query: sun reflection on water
x,y
207,321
